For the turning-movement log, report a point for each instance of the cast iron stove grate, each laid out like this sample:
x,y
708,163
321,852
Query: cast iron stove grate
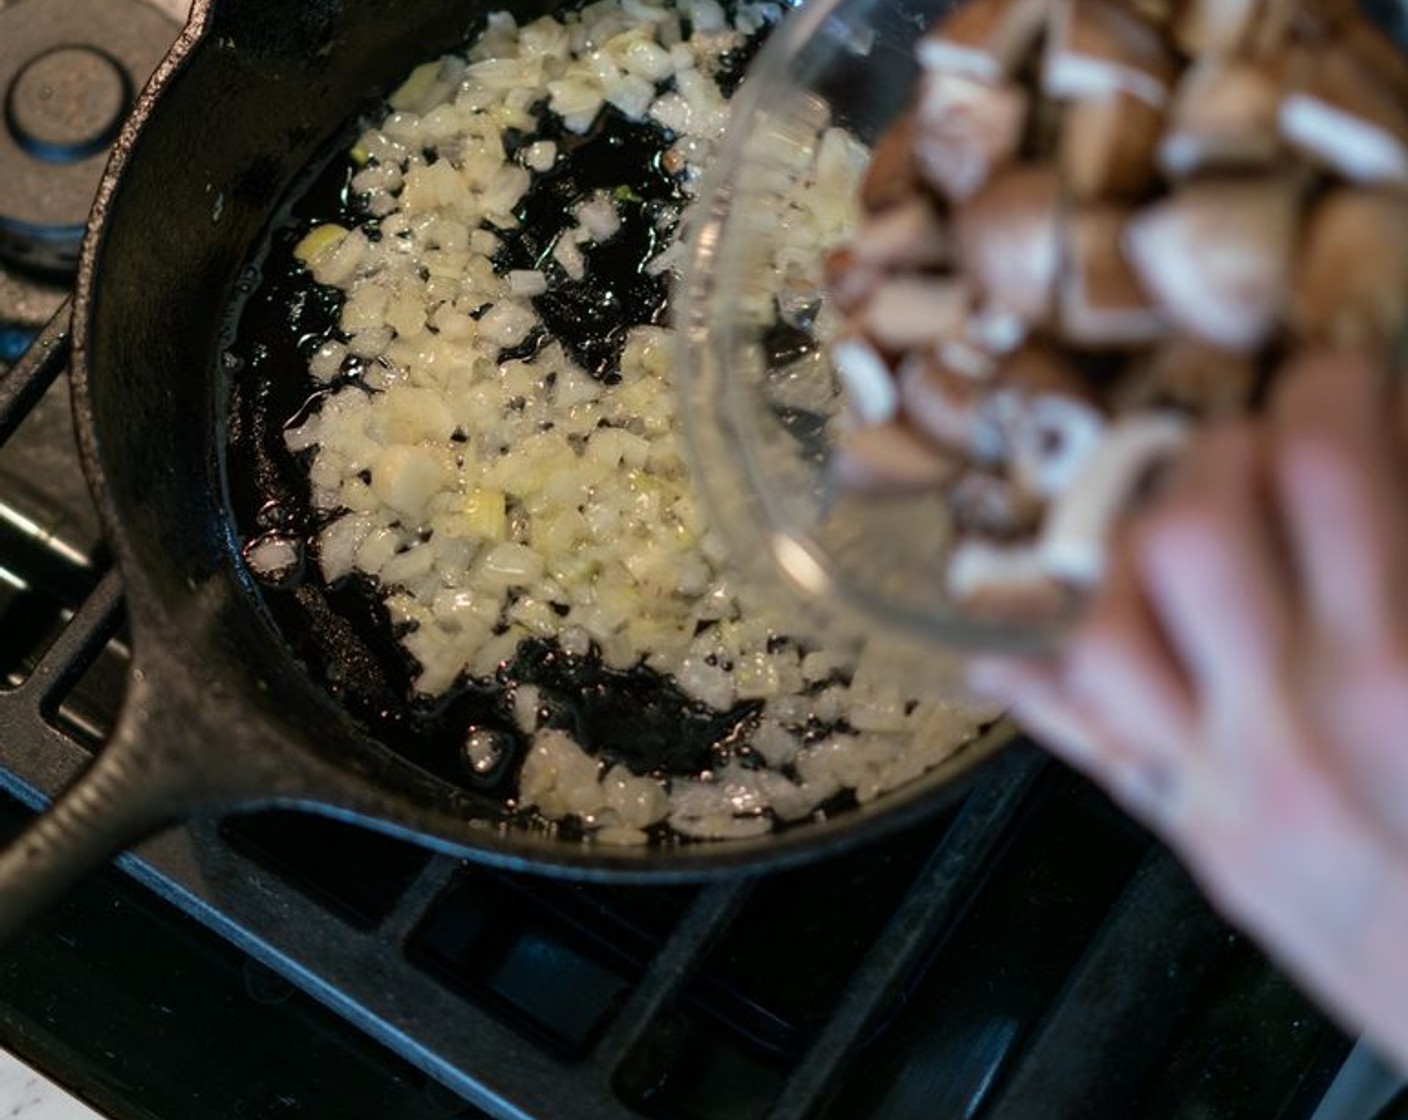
x,y
1030,955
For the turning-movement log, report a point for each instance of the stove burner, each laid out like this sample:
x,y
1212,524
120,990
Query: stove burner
x,y
68,73
67,104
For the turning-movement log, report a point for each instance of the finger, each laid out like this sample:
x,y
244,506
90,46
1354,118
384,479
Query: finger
x,y
1145,785
1208,560
1029,690
1334,476
1121,667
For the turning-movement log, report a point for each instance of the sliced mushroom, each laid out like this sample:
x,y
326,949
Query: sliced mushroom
x,y
1338,111
906,312
1008,240
891,177
995,330
986,39
1216,255
1191,375
1048,419
890,459
1076,532
1096,48
964,130
849,280
947,407
1103,303
1223,116
907,235
1379,54
1352,282
869,383
1003,580
1284,24
1211,28
1107,147
990,505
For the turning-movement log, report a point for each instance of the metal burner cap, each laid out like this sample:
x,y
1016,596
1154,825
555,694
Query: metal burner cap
x,y
67,104
68,75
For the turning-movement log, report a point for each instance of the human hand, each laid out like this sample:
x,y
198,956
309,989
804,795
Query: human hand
x,y
1241,683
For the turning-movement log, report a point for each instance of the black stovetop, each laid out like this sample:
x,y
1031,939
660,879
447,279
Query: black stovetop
x,y
1032,954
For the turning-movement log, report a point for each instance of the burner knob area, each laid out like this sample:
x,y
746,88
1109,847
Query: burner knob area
x,y
69,73
68,103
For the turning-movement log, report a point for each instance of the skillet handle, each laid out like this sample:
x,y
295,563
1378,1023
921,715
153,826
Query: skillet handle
x,y
107,808
154,769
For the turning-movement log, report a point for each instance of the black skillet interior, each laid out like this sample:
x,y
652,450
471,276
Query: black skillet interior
x,y
260,95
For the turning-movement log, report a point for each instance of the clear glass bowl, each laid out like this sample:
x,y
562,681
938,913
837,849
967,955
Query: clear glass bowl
x,y
758,432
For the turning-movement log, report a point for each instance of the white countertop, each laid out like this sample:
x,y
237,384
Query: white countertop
x,y
27,1095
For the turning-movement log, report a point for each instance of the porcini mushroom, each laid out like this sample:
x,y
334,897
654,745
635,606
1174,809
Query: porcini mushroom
x,y
1223,116
870,386
986,503
891,177
985,39
1217,255
889,459
1102,302
1212,28
1107,146
1048,419
904,312
1339,112
1003,579
1007,239
965,129
848,279
1099,47
907,235
947,408
1075,533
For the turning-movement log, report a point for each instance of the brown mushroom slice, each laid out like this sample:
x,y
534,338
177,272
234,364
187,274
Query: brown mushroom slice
x,y
986,39
1223,116
987,504
1107,147
964,130
849,281
1352,282
996,330
891,176
1096,48
1189,374
1003,580
1216,256
889,459
1008,240
907,235
1340,112
1076,532
947,408
1378,53
1287,24
1103,303
1208,28
1047,417
866,378
905,312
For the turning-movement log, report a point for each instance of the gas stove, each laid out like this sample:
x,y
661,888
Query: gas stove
x,y
1031,954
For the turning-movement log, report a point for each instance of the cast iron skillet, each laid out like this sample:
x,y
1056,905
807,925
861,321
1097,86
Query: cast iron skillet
x,y
218,714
